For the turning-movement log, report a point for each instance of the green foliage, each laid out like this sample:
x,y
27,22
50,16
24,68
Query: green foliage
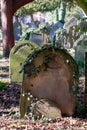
x,y
80,64
85,0
2,85
26,32
81,110
38,5
84,25
75,90
0,54
0,35
44,6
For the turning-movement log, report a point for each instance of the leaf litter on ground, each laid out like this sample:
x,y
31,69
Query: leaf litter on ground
x,y
9,109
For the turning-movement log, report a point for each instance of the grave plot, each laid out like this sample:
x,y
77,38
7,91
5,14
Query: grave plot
x,y
18,55
50,73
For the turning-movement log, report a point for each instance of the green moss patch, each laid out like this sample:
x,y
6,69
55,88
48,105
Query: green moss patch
x,y
2,85
18,55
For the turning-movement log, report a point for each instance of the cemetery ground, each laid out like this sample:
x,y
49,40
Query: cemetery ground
x,y
9,108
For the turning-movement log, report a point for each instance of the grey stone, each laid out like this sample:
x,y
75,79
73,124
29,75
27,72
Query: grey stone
x,y
37,38
17,29
47,108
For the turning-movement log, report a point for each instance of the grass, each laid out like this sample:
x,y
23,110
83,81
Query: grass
x,y
2,85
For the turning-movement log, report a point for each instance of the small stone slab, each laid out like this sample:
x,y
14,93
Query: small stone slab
x,y
47,108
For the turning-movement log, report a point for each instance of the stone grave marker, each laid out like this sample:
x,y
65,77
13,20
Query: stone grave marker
x,y
50,73
37,38
80,50
17,29
18,55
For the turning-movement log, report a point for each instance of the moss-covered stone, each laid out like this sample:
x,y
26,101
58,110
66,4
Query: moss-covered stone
x,y
18,55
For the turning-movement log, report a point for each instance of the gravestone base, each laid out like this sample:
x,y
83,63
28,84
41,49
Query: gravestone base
x,y
47,108
80,50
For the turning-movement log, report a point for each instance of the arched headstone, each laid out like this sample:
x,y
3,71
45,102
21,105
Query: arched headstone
x,y
50,73
18,55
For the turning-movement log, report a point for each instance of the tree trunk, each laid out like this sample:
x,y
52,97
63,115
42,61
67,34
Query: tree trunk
x,y
8,8
7,26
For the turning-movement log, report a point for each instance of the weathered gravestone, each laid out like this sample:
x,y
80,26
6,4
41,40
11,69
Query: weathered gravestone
x,y
50,73
18,55
80,50
37,38
17,29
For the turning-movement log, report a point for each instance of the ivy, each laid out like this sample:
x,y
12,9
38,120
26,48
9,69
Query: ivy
x,y
47,59
35,70
75,90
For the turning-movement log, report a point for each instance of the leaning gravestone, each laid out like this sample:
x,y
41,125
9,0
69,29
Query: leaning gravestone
x,y
18,55
50,73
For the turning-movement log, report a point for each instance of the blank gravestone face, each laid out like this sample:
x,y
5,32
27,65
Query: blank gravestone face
x,y
54,78
18,55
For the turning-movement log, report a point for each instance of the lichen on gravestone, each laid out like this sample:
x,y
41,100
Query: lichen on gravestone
x,y
18,55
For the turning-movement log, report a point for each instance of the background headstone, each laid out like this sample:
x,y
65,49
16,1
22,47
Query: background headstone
x,y
17,29
80,50
18,55
37,38
53,29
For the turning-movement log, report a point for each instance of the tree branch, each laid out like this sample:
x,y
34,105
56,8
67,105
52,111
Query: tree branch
x,y
19,3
